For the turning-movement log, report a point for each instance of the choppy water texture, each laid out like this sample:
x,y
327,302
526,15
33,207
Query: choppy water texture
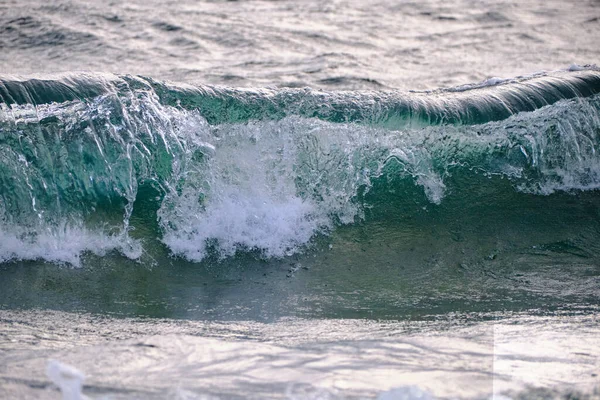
x,y
299,211
332,44
301,359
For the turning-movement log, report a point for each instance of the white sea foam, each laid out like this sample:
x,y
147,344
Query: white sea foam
x,y
249,199
272,186
242,220
62,246
67,378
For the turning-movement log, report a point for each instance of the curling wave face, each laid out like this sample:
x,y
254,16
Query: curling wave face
x,y
99,162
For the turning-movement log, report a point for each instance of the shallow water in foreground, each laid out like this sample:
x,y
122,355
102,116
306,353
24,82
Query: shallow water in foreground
x,y
455,356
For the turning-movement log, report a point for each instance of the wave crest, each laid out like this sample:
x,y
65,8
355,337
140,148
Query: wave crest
x,y
95,169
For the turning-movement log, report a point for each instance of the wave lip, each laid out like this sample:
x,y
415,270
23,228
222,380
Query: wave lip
x,y
492,100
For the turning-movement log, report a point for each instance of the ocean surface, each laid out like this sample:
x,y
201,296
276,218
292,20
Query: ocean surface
x,y
389,200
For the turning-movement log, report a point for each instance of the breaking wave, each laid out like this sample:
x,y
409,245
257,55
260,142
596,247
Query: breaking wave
x,y
99,162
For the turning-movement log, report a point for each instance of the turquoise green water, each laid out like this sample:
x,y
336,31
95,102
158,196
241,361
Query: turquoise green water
x,y
120,201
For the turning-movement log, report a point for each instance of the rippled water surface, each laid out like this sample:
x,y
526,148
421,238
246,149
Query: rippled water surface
x,y
325,44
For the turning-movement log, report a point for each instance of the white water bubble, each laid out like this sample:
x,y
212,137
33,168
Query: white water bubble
x,y
405,393
64,245
67,378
